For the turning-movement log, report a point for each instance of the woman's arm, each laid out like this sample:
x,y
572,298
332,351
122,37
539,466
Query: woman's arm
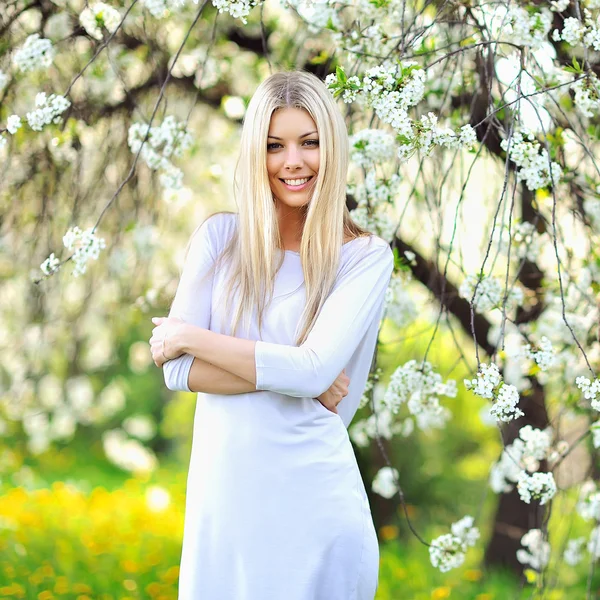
x,y
210,379
307,370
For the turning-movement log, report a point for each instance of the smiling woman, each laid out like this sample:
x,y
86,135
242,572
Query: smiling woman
x,y
276,507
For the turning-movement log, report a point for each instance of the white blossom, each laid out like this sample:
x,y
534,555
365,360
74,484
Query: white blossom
x,y
35,53
448,551
86,245
419,386
489,293
573,551
590,390
537,554
166,140
488,384
540,486
384,482
543,355
371,146
50,264
99,15
48,110
587,96
13,123
238,9
3,80
534,165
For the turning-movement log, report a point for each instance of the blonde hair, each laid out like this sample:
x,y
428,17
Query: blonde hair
x,y
251,252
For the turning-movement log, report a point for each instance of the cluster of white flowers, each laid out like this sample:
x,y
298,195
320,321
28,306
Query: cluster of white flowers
x,y
419,386
86,246
165,140
48,110
526,28
537,554
590,390
489,293
543,355
524,240
375,190
399,304
157,8
588,503
488,384
539,486
428,135
35,53
378,219
525,453
576,33
99,15
587,97
574,551
238,9
384,482
534,165
371,146
126,453
317,14
391,89
13,123
448,551
50,264
559,5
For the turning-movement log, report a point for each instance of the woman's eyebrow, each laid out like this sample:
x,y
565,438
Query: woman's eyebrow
x,y
303,135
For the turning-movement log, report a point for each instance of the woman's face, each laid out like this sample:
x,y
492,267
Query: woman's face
x,y
292,156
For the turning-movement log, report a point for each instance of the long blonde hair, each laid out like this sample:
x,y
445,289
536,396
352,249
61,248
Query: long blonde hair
x,y
251,251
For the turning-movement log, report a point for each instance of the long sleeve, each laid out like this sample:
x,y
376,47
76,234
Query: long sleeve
x,y
309,369
192,301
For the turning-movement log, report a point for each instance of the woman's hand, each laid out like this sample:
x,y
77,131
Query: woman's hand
x,y
338,390
163,343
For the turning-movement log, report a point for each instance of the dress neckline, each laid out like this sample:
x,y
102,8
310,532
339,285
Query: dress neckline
x,y
343,245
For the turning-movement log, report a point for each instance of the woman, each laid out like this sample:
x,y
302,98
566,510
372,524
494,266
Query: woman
x,y
276,508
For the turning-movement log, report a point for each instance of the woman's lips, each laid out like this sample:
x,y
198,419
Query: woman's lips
x,y
296,188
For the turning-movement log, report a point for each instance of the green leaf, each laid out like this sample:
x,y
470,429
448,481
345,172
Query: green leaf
x,y
341,76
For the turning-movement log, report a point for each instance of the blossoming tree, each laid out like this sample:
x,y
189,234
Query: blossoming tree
x,y
474,130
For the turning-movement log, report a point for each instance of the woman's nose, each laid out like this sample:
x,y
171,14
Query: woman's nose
x,y
293,157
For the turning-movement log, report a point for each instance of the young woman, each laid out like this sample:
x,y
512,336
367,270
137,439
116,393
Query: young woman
x,y
276,508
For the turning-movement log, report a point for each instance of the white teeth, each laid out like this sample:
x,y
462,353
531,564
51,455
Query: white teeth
x,y
296,181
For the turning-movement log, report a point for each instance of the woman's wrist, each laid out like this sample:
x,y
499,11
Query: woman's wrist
x,y
180,342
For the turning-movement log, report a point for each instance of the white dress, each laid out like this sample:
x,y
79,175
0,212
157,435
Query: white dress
x,y
276,508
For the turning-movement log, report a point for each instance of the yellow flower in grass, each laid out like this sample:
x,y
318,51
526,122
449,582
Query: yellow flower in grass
x,y
130,566
441,593
82,588
171,575
46,595
61,585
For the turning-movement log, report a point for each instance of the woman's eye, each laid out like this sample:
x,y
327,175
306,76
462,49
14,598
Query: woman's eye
x,y
274,145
